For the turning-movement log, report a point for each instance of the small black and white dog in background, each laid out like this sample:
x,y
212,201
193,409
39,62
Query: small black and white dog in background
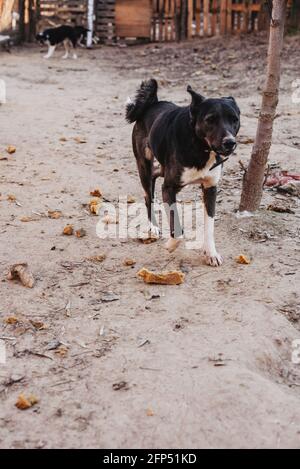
x,y
67,35
188,143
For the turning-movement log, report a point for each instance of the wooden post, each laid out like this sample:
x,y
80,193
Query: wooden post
x,y
223,16
90,23
229,17
190,19
214,17
205,17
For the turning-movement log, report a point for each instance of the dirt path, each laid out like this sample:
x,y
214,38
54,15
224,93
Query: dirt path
x,y
204,364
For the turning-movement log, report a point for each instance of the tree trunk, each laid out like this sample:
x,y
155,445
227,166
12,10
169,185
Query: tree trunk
x,y
6,9
254,178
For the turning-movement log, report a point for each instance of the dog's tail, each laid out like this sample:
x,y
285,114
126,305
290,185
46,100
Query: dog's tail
x,y
145,97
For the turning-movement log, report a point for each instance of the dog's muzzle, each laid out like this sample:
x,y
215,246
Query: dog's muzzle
x,y
228,146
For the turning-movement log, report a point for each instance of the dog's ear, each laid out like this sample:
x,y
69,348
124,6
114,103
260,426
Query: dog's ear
x,y
234,104
197,100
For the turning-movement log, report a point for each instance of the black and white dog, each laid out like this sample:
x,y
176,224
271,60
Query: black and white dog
x,y
67,35
188,143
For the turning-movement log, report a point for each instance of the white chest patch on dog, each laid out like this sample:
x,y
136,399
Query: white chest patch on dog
x,y
199,176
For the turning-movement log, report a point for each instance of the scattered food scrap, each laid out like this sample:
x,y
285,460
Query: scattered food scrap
x,y
21,272
131,199
96,193
97,259
54,214
148,240
11,149
242,259
11,320
162,278
129,262
80,233
68,230
80,140
108,220
24,403
94,206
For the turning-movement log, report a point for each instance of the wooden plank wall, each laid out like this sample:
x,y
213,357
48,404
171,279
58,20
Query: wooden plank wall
x,y
170,20
105,19
212,17
133,18
57,12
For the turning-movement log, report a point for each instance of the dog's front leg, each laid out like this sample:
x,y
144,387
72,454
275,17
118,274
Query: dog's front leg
x,y
176,233
50,52
209,249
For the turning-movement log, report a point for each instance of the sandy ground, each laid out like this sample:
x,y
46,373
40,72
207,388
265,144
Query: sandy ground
x,y
204,364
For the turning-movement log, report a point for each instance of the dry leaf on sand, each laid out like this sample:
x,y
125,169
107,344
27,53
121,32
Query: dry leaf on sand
x,y
242,259
21,272
68,230
54,214
11,197
96,193
11,149
174,277
24,403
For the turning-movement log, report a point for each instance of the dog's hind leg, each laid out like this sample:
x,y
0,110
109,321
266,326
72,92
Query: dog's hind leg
x,y
145,170
50,52
66,45
176,233
74,44
144,159
156,173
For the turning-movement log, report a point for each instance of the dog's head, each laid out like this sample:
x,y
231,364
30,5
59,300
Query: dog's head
x,y
41,37
215,120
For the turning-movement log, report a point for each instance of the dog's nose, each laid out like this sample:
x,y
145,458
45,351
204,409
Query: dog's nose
x,y
229,143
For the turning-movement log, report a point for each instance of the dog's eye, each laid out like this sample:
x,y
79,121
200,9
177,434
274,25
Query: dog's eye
x,y
210,119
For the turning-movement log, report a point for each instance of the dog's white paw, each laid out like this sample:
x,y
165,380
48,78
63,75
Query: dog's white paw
x,y
154,230
172,244
212,258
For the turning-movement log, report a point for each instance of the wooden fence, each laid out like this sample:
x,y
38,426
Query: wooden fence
x,y
153,20
203,18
